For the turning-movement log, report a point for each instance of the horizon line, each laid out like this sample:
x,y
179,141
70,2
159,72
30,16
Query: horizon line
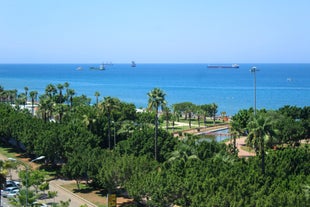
x,y
58,63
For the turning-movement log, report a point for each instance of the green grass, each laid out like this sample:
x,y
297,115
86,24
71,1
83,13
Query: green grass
x,y
11,152
194,124
248,149
88,193
8,151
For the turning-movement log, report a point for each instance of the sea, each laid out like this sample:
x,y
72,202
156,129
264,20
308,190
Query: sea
x,y
232,89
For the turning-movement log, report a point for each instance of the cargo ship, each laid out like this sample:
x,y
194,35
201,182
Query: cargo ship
x,y
101,67
224,66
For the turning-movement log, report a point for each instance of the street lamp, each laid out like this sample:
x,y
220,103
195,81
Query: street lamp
x,y
253,70
27,171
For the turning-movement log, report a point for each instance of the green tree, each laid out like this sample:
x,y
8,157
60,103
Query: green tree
x,y
46,106
156,100
33,96
50,141
108,106
24,196
260,131
185,150
51,91
166,115
213,111
97,94
241,119
77,166
60,98
199,112
26,94
70,94
3,173
33,178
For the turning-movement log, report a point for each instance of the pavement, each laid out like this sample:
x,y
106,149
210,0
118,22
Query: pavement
x,y
62,193
241,152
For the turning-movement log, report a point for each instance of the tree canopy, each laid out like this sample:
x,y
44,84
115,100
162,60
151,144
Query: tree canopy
x,y
186,172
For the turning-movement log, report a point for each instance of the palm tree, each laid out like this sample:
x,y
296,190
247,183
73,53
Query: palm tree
x,y
234,134
50,90
60,88
21,100
199,112
260,131
189,109
176,111
156,100
223,115
205,111
185,150
26,94
108,105
70,94
46,106
97,94
33,96
2,94
213,111
66,85
12,96
236,130
167,114
59,112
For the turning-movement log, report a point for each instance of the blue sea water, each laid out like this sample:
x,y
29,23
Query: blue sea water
x,y
232,89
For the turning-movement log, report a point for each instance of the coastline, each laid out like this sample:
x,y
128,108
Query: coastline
x,y
231,90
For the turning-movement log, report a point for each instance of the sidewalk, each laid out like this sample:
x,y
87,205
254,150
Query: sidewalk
x,y
239,143
64,194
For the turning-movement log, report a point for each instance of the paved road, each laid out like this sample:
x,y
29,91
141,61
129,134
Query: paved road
x,y
54,185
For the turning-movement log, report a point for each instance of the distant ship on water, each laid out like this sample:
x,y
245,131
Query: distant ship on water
x,y
224,66
133,64
101,67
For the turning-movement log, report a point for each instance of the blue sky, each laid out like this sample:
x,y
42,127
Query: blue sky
x,y
149,31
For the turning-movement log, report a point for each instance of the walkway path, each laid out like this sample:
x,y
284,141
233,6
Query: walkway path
x,y
241,152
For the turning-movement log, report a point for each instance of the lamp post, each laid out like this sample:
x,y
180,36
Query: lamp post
x,y
253,70
27,172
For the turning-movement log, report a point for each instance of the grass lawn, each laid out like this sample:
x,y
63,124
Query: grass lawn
x,y
248,149
94,196
185,124
86,192
11,152
8,151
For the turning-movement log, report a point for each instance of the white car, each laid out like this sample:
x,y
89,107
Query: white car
x,y
12,183
8,190
12,193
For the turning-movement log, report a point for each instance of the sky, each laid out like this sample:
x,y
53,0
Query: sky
x,y
149,31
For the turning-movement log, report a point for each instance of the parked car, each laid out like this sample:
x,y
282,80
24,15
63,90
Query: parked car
x,y
12,193
12,183
8,190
